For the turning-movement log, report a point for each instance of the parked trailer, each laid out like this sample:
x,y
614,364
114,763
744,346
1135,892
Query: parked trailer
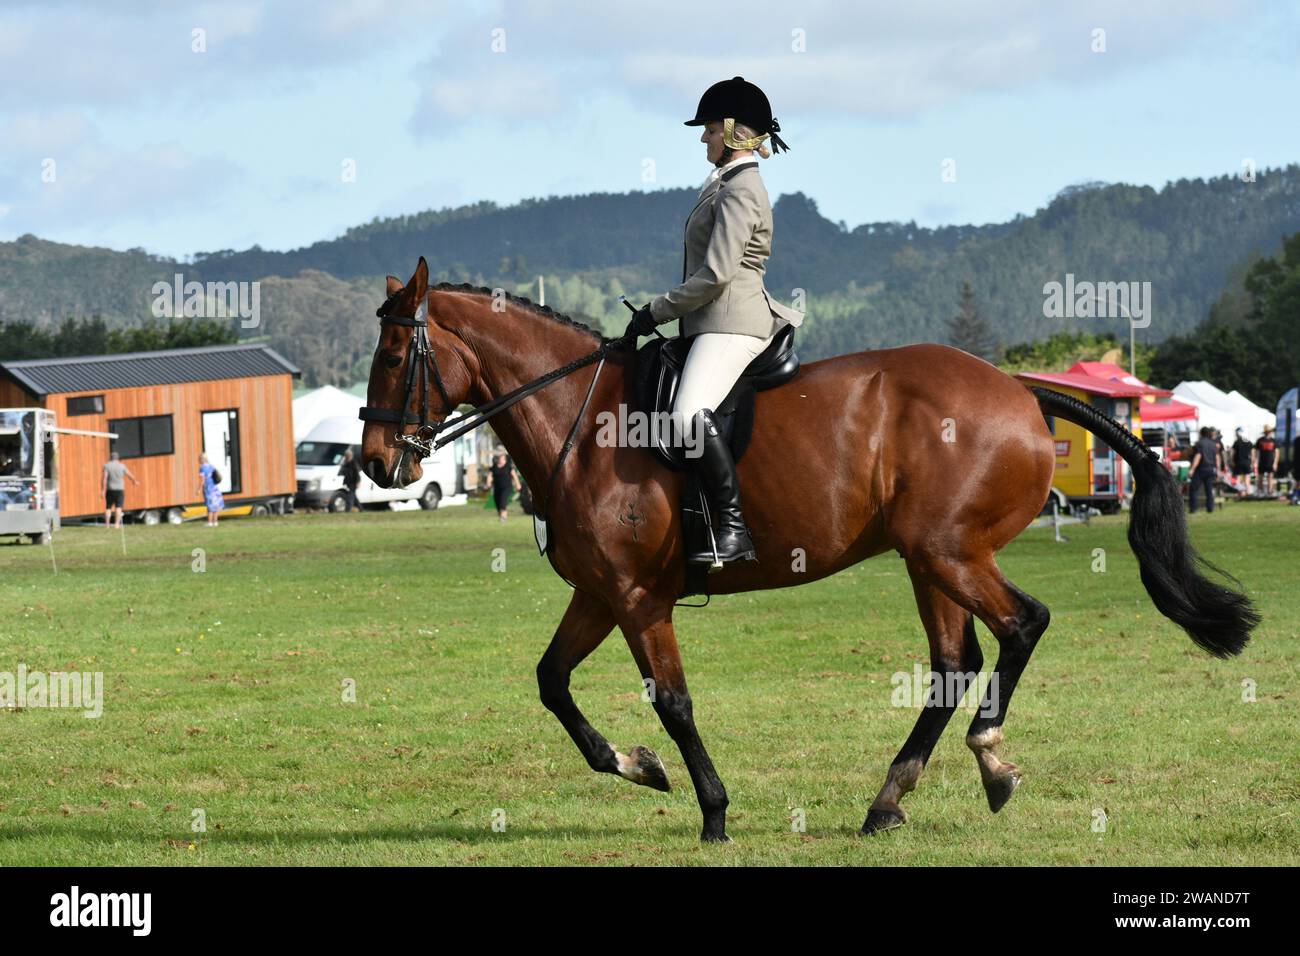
x,y
29,484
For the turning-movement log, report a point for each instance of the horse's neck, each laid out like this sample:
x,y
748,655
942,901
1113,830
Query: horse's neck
x,y
515,347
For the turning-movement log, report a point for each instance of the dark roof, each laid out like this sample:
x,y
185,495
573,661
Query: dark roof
x,y
136,369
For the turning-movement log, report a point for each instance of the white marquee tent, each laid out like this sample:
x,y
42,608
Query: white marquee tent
x,y
1226,411
324,402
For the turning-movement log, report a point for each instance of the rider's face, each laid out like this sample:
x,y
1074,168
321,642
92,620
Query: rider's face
x,y
712,138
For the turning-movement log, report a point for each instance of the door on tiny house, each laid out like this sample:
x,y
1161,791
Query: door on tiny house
x,y
221,445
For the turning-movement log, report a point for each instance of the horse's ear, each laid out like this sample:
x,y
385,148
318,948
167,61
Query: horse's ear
x,y
420,281
394,285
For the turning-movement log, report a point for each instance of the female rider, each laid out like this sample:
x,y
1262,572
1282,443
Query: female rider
x,y
723,306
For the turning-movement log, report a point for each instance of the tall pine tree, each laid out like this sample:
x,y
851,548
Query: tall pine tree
x,y
968,331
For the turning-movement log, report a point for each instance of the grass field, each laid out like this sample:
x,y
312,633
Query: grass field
x,y
223,692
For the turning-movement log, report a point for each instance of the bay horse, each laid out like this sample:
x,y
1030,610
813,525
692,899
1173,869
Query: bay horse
x,y
924,450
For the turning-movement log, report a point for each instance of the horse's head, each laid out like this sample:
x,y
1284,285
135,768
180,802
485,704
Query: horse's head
x,y
418,376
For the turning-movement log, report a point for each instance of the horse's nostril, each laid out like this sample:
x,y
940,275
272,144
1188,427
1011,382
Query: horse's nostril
x,y
375,469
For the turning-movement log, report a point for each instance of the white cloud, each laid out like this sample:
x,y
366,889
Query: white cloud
x,y
293,83
93,182
45,133
876,59
126,53
505,94
871,59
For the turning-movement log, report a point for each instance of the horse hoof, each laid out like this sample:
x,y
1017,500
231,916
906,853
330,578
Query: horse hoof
x,y
711,837
879,820
645,767
1000,788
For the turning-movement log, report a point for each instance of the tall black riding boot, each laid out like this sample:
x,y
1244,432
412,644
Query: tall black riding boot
x,y
717,472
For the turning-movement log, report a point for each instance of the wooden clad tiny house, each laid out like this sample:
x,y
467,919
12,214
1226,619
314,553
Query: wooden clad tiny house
x,y
233,402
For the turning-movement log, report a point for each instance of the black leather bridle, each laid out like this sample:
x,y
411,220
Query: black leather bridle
x,y
420,358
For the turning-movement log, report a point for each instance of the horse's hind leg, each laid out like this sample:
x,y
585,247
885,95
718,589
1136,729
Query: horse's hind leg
x,y
1017,621
1018,632
650,636
955,661
586,623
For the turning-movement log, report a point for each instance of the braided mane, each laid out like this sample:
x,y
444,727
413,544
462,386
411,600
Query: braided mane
x,y
529,304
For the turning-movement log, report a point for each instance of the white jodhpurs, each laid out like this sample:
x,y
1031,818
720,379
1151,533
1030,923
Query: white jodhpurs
x,y
713,364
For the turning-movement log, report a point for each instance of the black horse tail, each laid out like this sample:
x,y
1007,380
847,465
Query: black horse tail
x,y
1217,618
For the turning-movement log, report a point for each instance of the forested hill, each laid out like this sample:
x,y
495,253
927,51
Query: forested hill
x,y
878,284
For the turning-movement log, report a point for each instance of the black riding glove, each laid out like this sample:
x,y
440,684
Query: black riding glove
x,y
643,323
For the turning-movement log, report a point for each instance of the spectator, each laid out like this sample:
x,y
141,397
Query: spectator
x,y
1207,462
1243,460
1171,451
351,472
1266,458
504,482
209,488
112,485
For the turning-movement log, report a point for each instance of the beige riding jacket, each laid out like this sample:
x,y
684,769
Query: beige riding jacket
x,y
728,241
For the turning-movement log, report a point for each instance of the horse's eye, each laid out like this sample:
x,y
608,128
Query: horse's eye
x,y
391,360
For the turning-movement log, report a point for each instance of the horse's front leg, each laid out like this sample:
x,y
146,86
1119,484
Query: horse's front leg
x,y
648,628
586,623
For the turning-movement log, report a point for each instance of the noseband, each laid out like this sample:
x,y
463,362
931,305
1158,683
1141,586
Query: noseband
x,y
420,358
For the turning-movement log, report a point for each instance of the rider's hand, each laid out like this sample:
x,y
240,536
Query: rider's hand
x,y
643,323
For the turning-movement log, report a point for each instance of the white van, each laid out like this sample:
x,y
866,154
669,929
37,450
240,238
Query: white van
x,y
321,486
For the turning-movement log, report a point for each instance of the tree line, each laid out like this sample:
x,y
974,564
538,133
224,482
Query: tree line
x,y
1247,342
876,285
93,336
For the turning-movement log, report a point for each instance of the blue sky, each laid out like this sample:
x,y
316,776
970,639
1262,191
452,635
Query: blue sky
x,y
156,145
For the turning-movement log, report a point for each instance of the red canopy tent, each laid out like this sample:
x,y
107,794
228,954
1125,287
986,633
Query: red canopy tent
x,y
1173,411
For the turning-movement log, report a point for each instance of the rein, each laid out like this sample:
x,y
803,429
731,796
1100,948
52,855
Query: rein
x,y
425,439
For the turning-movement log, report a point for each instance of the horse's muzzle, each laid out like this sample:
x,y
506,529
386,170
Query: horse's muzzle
x,y
377,472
